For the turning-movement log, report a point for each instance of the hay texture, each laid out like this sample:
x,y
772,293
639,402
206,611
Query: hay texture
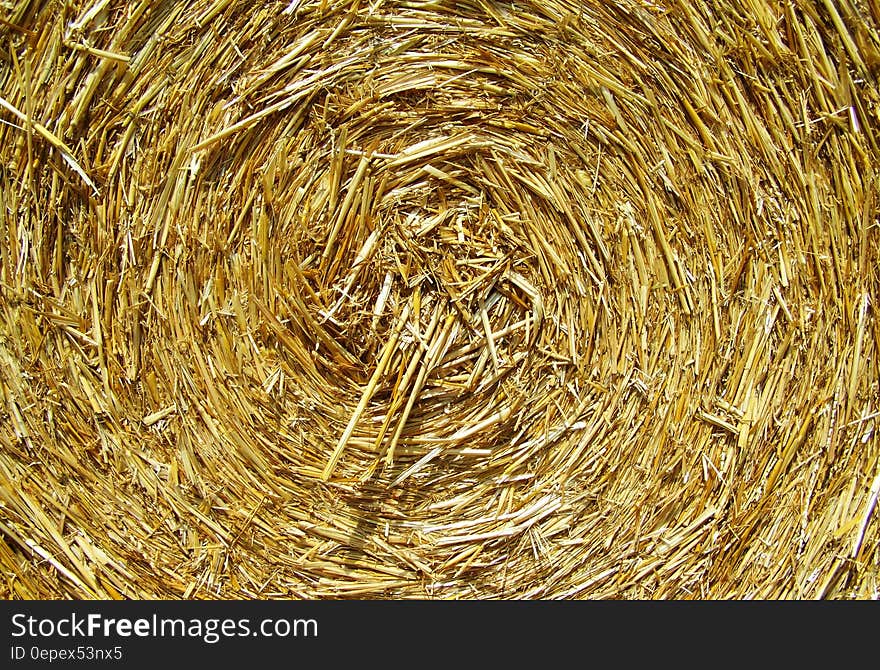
x,y
439,299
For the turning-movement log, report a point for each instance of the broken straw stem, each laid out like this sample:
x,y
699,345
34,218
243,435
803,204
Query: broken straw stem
x,y
422,350
387,352
428,362
52,139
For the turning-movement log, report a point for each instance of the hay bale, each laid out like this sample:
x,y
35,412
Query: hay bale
x,y
448,300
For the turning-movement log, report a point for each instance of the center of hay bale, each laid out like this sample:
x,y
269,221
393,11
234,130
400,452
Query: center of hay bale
x,y
423,239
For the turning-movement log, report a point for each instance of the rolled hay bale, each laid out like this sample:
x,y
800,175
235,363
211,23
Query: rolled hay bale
x,y
439,299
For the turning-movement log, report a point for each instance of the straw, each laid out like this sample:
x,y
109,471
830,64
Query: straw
x,y
439,299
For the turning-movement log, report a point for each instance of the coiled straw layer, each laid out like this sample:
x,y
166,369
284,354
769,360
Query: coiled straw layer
x,y
439,299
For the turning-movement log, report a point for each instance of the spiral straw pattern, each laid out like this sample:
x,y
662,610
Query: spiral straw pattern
x,y
439,299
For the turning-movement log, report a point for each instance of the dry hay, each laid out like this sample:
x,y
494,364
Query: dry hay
x,y
439,299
